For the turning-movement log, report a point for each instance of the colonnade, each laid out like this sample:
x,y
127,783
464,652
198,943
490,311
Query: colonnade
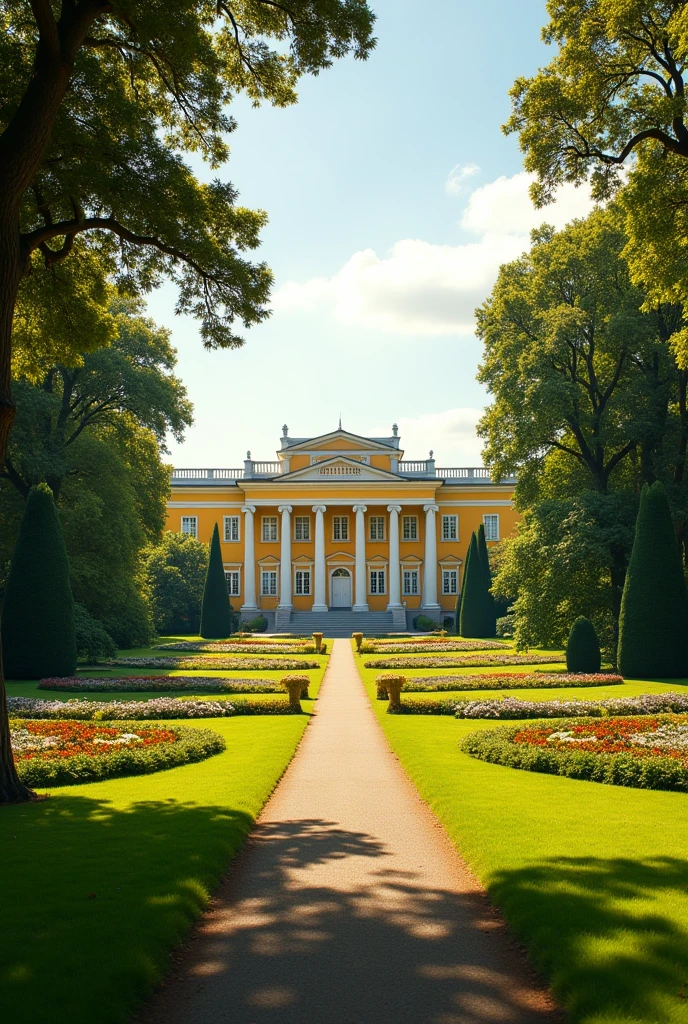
x,y
320,597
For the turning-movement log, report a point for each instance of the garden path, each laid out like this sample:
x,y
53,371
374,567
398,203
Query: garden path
x,y
349,905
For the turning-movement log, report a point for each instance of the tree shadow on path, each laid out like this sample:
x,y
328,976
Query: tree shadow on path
x,y
295,936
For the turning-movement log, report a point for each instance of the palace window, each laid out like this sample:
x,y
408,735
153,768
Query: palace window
x,y
491,524
340,527
302,581
377,527
269,528
232,580
268,583
302,527
450,581
450,527
377,581
409,527
409,581
190,525
231,528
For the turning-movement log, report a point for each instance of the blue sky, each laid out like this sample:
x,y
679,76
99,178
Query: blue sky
x,y
393,196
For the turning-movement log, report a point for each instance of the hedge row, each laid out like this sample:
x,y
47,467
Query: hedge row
x,y
480,661
506,708
151,684
509,681
497,747
218,647
422,647
141,710
215,662
191,745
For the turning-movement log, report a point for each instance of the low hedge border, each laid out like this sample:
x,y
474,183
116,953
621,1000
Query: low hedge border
x,y
150,684
142,710
497,747
425,646
510,681
469,662
241,648
192,745
248,663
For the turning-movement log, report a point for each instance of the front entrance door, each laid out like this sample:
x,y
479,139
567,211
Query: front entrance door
x,y
341,588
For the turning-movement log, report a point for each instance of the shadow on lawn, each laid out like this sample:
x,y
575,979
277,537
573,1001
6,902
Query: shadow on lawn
x,y
367,945
636,960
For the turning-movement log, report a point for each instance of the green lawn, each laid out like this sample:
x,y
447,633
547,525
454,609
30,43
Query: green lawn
x,y
103,880
593,879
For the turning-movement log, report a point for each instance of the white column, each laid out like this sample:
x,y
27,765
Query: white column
x,y
249,604
285,557
394,569
319,597
360,603
430,605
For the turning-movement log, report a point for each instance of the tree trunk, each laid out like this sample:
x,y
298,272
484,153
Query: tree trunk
x,y
12,789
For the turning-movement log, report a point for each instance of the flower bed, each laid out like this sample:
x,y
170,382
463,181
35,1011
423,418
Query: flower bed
x,y
510,681
140,710
217,662
220,647
645,753
57,753
511,708
421,646
149,684
479,661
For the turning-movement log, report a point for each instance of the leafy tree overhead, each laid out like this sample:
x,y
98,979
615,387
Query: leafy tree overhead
x,y
611,105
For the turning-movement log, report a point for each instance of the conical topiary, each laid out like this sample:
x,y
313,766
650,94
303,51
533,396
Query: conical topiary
x,y
488,602
653,625
216,612
38,637
471,601
583,647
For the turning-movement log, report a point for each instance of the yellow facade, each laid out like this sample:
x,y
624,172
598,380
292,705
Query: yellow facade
x,y
316,530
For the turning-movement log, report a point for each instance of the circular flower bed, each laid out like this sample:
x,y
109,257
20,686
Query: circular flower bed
x,y
648,752
57,753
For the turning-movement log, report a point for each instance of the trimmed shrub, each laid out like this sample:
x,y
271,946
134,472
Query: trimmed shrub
x,y
93,642
424,624
583,647
216,611
653,626
470,624
38,634
258,624
487,600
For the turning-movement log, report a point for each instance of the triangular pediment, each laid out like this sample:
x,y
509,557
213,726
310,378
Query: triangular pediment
x,y
344,439
341,556
451,560
339,468
411,560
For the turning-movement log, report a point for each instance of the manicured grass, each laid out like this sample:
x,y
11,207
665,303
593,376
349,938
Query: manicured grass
x,y
593,879
103,880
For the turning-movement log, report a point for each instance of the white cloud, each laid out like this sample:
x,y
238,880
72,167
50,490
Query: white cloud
x,y
449,434
456,180
422,288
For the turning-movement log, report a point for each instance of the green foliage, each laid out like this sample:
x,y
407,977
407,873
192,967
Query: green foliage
x,y
216,611
424,624
258,624
477,604
93,642
489,611
38,637
173,574
653,627
159,80
583,647
567,559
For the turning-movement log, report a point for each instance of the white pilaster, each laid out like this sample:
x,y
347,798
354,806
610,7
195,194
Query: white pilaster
x,y
249,604
430,604
394,568
319,597
360,603
285,558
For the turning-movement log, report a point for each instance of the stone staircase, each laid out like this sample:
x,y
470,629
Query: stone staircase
x,y
339,623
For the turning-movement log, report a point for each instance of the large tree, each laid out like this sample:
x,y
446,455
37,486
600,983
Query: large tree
x,y
611,107
100,99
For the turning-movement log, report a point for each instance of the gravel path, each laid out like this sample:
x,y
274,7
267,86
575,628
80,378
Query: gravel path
x,y
349,905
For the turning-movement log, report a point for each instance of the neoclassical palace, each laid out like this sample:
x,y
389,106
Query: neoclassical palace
x,y
342,523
